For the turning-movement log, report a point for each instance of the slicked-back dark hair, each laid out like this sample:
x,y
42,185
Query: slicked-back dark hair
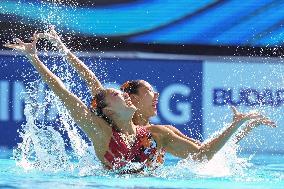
x,y
131,87
97,105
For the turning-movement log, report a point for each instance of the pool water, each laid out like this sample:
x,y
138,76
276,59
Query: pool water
x,y
264,171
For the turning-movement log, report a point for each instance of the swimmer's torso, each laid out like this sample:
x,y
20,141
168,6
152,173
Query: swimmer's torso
x,y
123,152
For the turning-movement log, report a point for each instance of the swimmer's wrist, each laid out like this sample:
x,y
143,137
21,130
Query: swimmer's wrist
x,y
62,48
237,123
31,55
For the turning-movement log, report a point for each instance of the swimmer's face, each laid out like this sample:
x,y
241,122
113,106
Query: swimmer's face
x,y
118,104
146,99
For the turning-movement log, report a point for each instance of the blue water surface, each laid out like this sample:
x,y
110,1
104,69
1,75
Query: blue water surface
x,y
266,171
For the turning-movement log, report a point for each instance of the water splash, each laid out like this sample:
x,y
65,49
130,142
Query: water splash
x,y
226,163
51,141
44,145
42,148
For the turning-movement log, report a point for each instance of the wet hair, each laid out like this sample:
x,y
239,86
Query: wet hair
x,y
98,104
131,87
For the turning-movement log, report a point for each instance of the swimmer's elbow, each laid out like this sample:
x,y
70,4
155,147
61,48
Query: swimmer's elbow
x,y
204,153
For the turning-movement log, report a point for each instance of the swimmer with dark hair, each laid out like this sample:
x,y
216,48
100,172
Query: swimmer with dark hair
x,y
117,141
141,93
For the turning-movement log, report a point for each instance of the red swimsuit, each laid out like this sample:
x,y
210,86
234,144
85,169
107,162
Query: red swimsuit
x,y
144,151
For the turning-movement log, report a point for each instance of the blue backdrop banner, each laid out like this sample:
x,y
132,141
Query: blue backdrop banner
x,y
179,83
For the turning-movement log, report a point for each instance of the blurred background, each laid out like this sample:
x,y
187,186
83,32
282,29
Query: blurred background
x,y
201,56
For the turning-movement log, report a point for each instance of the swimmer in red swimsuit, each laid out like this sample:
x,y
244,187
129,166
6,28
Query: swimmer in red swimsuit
x,y
141,92
111,112
136,154
145,99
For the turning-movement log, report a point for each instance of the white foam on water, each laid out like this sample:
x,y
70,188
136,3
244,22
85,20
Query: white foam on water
x,y
226,163
43,147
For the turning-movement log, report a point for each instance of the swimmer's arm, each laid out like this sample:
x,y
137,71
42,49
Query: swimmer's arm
x,y
77,109
91,79
210,148
251,125
242,134
173,143
177,132
181,147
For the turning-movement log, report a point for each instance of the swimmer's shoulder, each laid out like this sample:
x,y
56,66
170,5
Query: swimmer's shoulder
x,y
160,133
158,129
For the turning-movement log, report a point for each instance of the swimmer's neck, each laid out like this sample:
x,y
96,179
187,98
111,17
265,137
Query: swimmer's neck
x,y
126,126
139,119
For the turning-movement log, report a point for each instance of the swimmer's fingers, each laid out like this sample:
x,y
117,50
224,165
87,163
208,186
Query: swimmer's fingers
x,y
268,122
51,27
9,45
18,41
234,109
253,116
43,36
241,117
35,39
14,46
53,39
257,118
27,48
263,121
246,117
52,31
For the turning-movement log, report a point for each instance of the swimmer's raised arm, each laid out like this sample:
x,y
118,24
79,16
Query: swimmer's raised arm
x,y
91,79
251,125
238,137
181,147
77,109
177,132
213,146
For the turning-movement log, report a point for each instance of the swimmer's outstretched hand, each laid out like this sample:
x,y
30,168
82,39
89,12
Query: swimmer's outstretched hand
x,y
52,36
262,121
26,48
240,118
253,124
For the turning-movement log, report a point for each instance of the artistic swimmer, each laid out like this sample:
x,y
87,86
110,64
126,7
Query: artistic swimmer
x,y
140,92
109,121
145,100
